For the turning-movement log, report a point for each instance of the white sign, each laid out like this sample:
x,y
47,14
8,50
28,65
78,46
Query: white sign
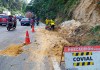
x,y
82,58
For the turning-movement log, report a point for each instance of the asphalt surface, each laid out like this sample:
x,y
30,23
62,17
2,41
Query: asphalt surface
x,y
21,61
13,37
16,36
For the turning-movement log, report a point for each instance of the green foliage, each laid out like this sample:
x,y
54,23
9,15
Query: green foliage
x,y
94,42
69,7
94,36
51,8
2,8
95,29
12,5
98,2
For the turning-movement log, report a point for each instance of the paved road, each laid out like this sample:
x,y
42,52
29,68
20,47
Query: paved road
x,y
20,62
15,37
12,37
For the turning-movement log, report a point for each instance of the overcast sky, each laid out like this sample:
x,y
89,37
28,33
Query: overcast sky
x,y
28,1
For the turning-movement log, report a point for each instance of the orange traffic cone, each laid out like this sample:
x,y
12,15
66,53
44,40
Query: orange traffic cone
x,y
33,29
27,39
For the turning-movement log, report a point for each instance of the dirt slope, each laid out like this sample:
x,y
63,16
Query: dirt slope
x,y
88,11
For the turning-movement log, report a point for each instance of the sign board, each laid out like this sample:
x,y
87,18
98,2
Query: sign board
x,y
82,58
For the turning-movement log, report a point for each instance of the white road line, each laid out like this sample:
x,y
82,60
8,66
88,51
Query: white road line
x,y
55,64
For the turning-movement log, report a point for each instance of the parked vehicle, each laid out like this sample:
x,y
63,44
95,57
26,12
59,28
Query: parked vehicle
x,y
25,21
3,19
19,17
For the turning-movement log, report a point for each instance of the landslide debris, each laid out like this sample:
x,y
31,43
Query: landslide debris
x,y
48,44
70,33
12,50
80,34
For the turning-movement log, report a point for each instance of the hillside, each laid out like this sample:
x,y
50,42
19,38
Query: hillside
x,y
88,11
85,11
53,8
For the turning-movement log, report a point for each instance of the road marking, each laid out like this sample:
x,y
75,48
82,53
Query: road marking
x,y
55,64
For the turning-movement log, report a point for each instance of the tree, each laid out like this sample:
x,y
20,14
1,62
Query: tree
x,y
52,8
13,5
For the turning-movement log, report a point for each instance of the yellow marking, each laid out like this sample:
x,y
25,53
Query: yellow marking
x,y
91,63
85,53
85,64
79,54
90,53
80,64
75,64
74,54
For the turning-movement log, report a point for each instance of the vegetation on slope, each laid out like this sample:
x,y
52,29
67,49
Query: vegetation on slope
x,y
52,8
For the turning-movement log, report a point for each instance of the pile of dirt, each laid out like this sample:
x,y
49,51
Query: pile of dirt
x,y
68,27
49,43
80,34
12,50
71,33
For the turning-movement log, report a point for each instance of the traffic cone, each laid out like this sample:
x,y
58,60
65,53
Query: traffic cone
x,y
27,39
33,29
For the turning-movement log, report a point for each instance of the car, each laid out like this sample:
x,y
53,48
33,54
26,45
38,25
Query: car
x,y
3,19
19,17
25,21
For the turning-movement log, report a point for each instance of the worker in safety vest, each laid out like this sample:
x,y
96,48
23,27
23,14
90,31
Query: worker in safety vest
x,y
48,26
47,21
52,23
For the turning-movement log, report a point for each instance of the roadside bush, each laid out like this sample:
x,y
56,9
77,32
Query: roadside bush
x,y
94,42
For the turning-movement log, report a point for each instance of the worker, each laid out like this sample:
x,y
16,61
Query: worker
x,y
37,20
52,23
48,26
32,22
47,21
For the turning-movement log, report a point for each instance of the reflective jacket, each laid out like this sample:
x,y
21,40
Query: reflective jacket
x,y
52,22
47,21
